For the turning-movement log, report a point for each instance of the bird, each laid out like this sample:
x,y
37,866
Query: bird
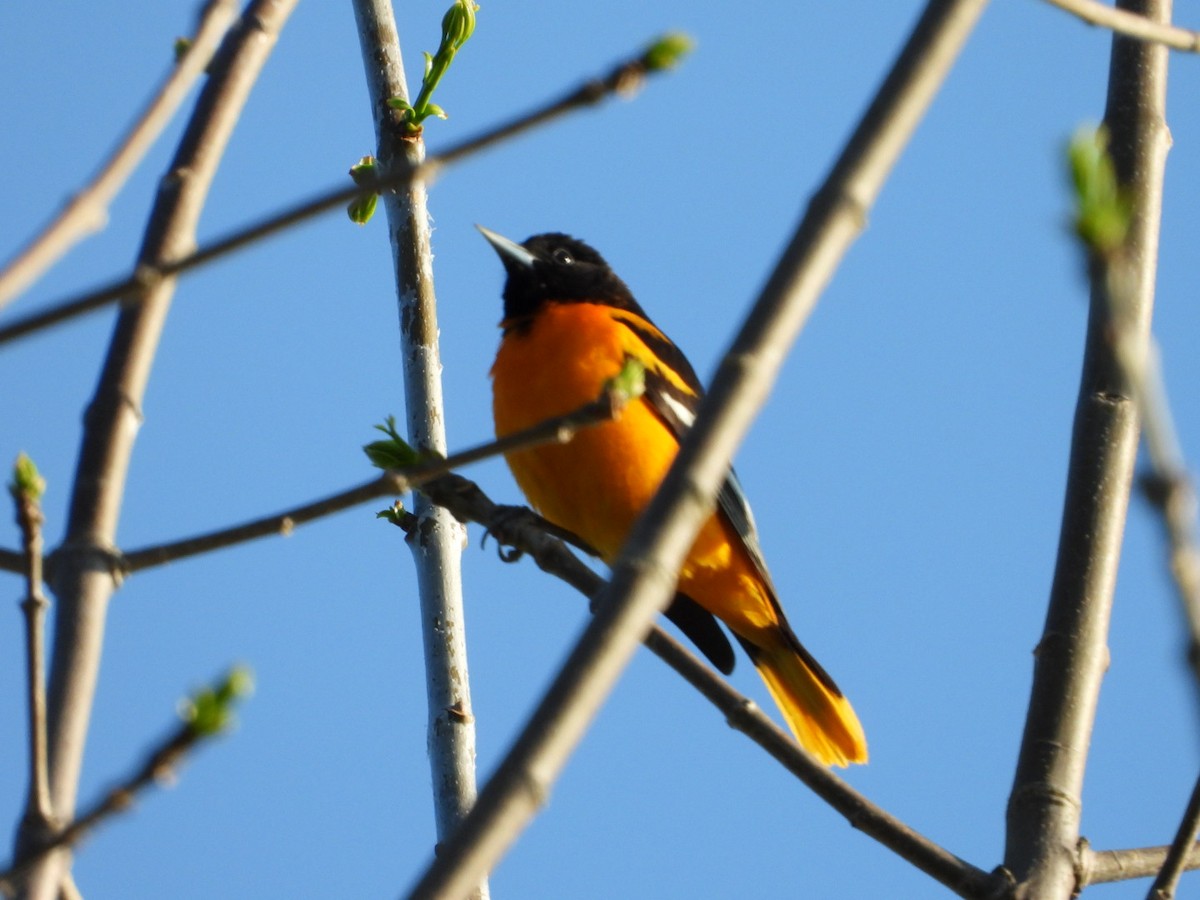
x,y
569,325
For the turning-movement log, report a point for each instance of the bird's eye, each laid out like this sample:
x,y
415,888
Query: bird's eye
x,y
563,257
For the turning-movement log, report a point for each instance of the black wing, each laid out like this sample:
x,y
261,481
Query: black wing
x,y
678,410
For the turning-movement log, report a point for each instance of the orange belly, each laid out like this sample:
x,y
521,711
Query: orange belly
x,y
596,485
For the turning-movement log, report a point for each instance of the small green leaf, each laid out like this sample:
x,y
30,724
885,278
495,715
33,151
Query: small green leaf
x,y
629,383
393,453
27,483
394,513
181,47
667,52
362,208
364,171
1103,208
210,710
458,24
399,102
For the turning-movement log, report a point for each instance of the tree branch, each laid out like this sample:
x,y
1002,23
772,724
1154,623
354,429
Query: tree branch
x,y
438,540
1181,848
558,430
469,504
208,714
1105,866
87,211
623,78
1044,806
83,582
1131,24
1112,265
26,489
644,575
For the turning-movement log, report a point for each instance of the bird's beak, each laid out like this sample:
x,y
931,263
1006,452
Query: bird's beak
x,y
510,251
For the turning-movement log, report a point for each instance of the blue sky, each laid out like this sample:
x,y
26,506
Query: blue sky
x,y
906,474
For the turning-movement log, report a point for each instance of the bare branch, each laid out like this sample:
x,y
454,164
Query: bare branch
x,y
1131,24
1105,866
277,523
1044,807
1168,487
1176,859
622,78
209,714
558,430
645,574
83,586
26,489
469,504
87,211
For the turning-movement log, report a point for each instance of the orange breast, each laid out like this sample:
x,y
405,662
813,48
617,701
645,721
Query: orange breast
x,y
596,485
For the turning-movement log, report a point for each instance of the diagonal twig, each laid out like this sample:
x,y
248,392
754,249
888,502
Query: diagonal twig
x,y
87,211
208,714
558,430
623,78
467,502
1105,866
1176,859
1131,24
644,575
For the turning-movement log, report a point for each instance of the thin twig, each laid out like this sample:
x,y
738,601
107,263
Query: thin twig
x,y
1045,804
87,211
1168,487
83,587
645,574
156,768
470,504
1131,24
1171,491
1176,859
277,523
558,430
26,489
625,78
209,713
133,286
1106,866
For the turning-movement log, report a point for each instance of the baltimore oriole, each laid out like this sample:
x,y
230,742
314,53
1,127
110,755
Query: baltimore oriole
x,y
569,325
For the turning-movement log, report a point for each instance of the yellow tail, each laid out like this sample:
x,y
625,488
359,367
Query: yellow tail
x,y
820,717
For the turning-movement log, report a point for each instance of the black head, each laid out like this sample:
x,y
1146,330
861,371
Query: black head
x,y
555,268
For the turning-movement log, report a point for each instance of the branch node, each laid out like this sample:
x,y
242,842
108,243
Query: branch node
x,y
746,709
92,557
